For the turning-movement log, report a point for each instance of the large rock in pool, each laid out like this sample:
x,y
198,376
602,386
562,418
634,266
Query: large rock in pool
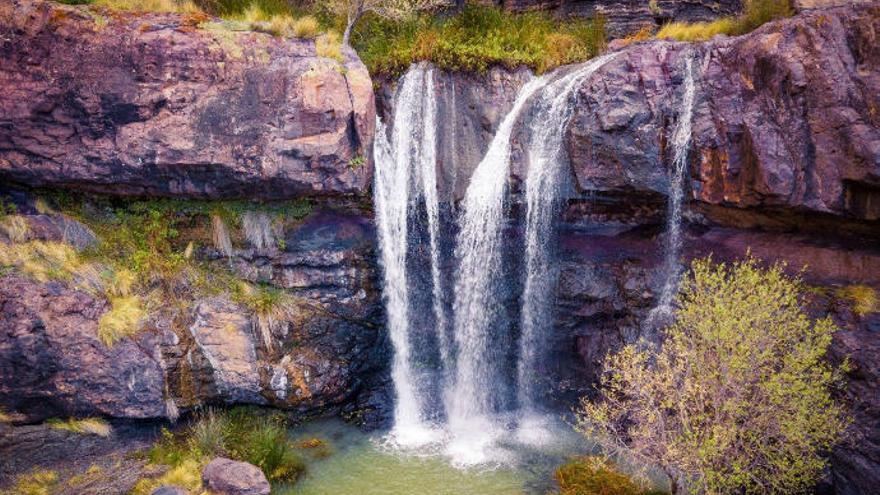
x,y
176,105
227,477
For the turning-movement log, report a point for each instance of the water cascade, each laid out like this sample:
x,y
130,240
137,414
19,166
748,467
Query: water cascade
x,y
547,172
681,143
405,172
478,250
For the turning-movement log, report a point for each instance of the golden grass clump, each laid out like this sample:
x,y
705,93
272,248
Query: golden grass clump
x,y
187,475
698,31
124,319
168,6
329,45
864,298
755,14
85,426
306,27
37,482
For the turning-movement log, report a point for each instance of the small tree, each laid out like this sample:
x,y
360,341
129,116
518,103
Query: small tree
x,y
353,10
737,398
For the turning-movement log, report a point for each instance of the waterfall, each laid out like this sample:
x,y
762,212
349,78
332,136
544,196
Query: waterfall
x,y
681,143
478,249
405,172
547,169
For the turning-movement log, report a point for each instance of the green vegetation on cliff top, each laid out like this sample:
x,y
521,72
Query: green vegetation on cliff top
x,y
472,39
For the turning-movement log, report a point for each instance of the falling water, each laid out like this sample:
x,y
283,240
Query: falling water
x,y
478,249
405,170
547,172
681,142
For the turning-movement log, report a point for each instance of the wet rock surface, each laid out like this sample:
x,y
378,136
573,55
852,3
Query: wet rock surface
x,y
165,105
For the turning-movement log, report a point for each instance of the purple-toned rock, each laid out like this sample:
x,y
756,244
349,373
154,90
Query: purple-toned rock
x,y
164,104
52,363
786,118
227,477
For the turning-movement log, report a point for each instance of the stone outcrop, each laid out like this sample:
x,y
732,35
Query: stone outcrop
x,y
52,363
786,118
160,104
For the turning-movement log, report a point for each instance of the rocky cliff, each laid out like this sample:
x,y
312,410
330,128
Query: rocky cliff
x,y
176,106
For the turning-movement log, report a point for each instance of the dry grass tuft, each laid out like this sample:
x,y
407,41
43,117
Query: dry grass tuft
x,y
187,475
16,228
36,482
85,426
756,14
124,319
170,6
864,298
329,45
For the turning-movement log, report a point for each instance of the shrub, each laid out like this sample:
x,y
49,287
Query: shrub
x,y
85,426
737,398
594,476
755,14
243,433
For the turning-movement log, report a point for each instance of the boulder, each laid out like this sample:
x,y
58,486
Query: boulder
x,y
227,477
171,105
52,363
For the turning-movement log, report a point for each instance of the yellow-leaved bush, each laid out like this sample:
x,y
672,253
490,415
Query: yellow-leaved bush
x,y
738,396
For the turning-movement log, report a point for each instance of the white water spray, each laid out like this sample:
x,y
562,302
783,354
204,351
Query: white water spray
x,y
681,143
547,162
405,170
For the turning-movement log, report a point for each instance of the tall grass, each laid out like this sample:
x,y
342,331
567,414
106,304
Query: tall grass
x,y
756,14
243,433
475,39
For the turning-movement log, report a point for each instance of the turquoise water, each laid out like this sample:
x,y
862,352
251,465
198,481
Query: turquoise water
x,y
362,464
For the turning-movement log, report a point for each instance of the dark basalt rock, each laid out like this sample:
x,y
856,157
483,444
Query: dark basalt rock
x,y
152,104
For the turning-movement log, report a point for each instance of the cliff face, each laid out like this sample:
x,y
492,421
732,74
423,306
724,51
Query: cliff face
x,y
153,104
786,118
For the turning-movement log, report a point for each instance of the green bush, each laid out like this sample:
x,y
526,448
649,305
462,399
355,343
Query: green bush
x,y
740,395
475,39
